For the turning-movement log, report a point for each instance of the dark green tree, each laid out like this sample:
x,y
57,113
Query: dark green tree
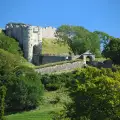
x,y
104,37
112,50
78,39
23,84
95,95
2,102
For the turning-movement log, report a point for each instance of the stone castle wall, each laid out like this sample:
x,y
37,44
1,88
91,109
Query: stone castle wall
x,y
39,59
48,32
60,68
29,37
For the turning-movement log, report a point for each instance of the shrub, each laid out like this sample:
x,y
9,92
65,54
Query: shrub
x,y
52,87
55,81
24,87
9,44
24,91
2,102
95,95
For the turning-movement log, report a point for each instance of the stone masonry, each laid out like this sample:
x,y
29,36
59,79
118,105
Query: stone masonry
x,y
29,37
60,68
48,32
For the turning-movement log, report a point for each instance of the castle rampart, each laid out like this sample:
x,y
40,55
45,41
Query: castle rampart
x,y
29,37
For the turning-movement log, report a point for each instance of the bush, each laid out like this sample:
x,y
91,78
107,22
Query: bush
x,y
9,44
52,87
95,95
8,61
25,90
55,81
24,87
2,106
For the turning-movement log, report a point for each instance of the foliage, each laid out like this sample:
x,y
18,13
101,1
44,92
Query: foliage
x,y
112,50
95,95
104,37
24,88
44,112
2,107
24,91
9,44
78,39
55,81
9,61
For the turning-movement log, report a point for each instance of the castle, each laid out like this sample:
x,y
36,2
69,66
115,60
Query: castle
x,y
29,37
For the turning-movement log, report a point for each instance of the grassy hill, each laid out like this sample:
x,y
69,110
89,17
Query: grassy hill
x,y
44,112
10,47
10,50
50,46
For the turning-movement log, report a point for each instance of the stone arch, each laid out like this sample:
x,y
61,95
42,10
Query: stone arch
x,y
90,57
87,55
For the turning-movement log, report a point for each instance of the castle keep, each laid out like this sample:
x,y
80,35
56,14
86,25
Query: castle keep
x,y
29,37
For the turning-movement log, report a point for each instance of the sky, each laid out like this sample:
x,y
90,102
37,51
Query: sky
x,y
102,15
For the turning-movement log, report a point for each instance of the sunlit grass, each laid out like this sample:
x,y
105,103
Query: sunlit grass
x,y
49,46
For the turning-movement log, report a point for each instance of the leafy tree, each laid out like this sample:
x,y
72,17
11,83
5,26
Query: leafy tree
x,y
24,87
112,50
104,37
2,107
78,39
95,95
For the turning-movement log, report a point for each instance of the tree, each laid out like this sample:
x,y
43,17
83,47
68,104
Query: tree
x,y
2,106
23,84
112,50
104,38
78,39
95,95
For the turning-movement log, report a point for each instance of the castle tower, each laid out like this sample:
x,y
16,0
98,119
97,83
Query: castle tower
x,y
29,37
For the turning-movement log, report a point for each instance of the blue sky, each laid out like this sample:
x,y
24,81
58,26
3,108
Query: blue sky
x,y
103,15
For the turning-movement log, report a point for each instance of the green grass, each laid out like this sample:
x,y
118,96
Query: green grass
x,y
49,46
44,112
